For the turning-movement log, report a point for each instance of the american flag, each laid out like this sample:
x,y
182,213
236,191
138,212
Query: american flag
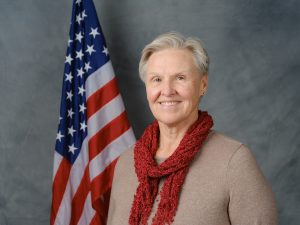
x,y
93,127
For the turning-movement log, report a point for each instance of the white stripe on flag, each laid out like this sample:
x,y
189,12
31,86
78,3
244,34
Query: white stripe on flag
x,y
88,211
99,78
106,114
64,212
110,153
57,160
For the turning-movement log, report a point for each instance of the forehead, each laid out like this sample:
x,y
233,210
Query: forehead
x,y
170,60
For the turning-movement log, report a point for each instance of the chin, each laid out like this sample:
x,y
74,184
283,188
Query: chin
x,y
173,119
169,120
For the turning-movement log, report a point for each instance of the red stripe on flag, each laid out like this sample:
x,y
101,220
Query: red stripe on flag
x,y
102,184
80,197
100,188
107,134
101,97
59,186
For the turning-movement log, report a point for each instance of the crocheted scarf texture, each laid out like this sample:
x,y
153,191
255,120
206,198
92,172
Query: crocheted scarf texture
x,y
173,169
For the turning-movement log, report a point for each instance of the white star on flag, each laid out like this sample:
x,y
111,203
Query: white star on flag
x,y
78,36
87,66
69,59
82,108
71,131
81,90
70,113
69,95
72,149
78,18
69,77
105,50
59,136
83,126
78,2
79,54
94,32
83,14
80,72
90,49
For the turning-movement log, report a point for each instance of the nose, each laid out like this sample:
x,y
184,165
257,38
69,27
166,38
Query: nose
x,y
168,88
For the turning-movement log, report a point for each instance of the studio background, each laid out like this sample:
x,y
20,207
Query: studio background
x,y
253,96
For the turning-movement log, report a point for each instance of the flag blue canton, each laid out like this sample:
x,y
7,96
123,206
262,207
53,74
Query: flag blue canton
x,y
86,53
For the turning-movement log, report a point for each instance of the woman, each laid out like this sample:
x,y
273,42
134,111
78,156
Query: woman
x,y
181,171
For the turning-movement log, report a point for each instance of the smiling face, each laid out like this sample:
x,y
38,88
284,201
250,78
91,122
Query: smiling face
x,y
174,87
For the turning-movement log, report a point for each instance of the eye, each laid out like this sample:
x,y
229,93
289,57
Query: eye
x,y
180,77
156,79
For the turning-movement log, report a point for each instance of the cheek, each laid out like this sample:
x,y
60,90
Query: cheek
x,y
196,91
191,94
188,91
152,94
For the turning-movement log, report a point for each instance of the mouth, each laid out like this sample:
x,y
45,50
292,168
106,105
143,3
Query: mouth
x,y
169,103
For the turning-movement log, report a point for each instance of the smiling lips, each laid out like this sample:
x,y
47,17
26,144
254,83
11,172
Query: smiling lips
x,y
169,103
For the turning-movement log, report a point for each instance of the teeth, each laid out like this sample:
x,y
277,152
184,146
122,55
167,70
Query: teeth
x,y
168,103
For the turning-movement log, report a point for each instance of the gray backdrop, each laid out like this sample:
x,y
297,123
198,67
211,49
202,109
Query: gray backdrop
x,y
253,95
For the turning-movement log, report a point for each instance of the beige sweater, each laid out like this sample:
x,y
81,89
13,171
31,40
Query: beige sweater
x,y
224,186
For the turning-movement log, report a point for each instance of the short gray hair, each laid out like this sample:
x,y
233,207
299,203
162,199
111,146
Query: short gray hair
x,y
177,41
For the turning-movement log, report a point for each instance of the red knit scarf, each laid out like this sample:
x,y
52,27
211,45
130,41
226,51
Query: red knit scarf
x,y
174,169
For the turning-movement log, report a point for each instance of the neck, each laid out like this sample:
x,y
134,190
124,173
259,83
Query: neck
x,y
171,136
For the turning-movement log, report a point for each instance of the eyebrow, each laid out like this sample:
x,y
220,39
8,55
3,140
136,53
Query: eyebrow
x,y
157,74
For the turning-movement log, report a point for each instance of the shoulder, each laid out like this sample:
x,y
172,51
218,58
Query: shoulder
x,y
217,139
220,146
236,152
221,154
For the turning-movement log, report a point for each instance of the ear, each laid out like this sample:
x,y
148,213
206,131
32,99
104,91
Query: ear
x,y
203,84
